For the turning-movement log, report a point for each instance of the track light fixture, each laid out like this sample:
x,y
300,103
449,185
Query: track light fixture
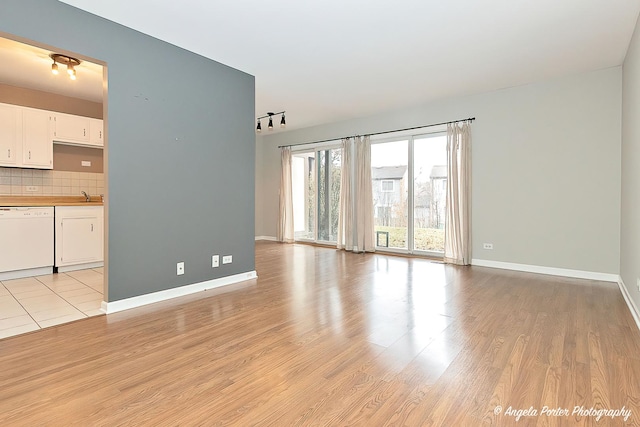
x,y
270,125
69,61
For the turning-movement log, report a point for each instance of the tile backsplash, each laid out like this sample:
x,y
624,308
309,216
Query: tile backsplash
x,y
16,182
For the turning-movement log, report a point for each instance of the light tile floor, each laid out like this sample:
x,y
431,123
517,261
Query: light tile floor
x,y
38,302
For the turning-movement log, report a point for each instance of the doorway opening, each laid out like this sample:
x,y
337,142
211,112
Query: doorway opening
x,y
53,153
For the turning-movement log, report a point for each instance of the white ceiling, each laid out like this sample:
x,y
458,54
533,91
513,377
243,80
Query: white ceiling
x,y
329,60
29,66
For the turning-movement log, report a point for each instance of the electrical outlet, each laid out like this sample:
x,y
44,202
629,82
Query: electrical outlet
x,y
215,261
31,188
487,246
180,269
227,259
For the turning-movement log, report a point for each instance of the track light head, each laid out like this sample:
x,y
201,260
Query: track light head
x,y
269,116
72,74
54,68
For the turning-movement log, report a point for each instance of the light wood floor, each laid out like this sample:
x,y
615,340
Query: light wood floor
x,y
334,339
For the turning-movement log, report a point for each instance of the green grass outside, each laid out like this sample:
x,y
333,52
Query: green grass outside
x,y
425,239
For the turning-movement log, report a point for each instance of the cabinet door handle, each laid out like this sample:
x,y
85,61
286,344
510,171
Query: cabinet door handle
x,y
29,154
84,132
100,134
9,152
91,227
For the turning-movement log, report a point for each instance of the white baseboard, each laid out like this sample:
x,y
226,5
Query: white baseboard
x,y
80,266
30,272
269,238
578,274
632,305
133,302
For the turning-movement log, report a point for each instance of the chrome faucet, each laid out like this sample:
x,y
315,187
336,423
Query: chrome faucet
x,y
86,196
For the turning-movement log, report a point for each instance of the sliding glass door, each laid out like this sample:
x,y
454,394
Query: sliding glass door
x,y
409,177
316,179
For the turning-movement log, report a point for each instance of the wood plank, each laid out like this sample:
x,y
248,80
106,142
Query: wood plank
x,y
325,337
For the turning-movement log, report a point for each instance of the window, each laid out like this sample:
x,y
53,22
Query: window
x,y
387,185
316,179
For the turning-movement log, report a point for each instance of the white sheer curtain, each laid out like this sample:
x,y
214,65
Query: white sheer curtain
x,y
345,208
457,230
285,218
355,220
365,241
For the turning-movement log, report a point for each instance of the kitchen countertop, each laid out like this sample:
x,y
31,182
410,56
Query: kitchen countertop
x,y
22,201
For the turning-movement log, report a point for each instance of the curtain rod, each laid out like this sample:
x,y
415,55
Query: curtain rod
x,y
470,119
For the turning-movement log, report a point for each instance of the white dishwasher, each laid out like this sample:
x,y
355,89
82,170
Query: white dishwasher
x,y
26,241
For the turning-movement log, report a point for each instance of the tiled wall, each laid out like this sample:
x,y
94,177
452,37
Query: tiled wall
x,y
14,182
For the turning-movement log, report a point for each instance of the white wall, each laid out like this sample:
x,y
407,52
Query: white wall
x,y
546,168
630,212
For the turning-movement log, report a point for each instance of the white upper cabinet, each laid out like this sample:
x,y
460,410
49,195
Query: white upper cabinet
x,y
37,148
96,131
78,130
25,137
70,128
10,137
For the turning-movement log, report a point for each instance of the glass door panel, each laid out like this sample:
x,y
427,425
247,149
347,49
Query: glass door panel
x,y
303,177
316,179
389,174
329,175
329,170
429,192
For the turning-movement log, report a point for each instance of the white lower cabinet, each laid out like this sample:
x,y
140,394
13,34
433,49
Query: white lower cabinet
x,y
79,235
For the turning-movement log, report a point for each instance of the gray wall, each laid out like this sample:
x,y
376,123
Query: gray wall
x,y
546,168
181,149
630,212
